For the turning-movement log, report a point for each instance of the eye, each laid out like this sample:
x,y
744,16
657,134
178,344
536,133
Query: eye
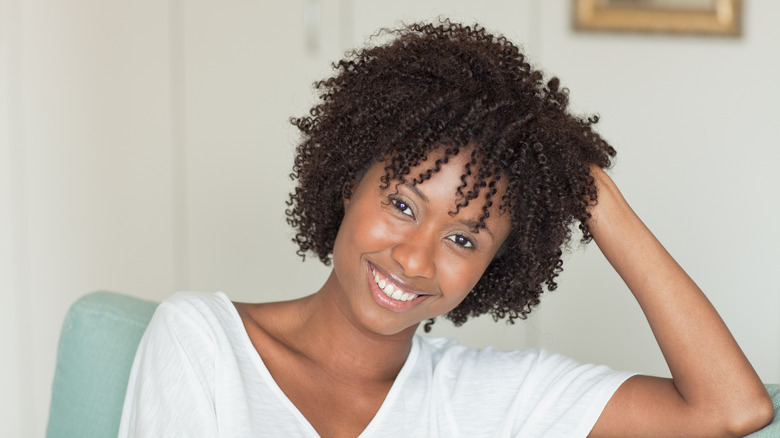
x,y
403,207
461,240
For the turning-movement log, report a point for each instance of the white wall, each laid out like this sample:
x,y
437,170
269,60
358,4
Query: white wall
x,y
145,147
87,151
245,72
14,405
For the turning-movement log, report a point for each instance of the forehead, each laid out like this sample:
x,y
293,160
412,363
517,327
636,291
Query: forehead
x,y
459,174
454,183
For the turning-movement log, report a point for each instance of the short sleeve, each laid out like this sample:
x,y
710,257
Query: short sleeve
x,y
170,392
568,396
520,393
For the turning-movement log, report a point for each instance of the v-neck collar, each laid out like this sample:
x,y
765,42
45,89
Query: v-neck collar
x,y
391,396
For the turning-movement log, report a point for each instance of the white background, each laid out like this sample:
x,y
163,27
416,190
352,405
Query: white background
x,y
145,147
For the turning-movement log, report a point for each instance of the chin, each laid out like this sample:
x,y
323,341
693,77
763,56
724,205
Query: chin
x,y
382,325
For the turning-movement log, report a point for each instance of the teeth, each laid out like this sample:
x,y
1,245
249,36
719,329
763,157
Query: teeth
x,y
390,290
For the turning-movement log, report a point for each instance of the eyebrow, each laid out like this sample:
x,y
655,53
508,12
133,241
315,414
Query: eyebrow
x,y
416,191
474,225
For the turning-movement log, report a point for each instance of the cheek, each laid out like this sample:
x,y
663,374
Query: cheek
x,y
458,277
364,230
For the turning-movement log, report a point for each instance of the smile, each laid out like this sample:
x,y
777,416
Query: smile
x,y
390,288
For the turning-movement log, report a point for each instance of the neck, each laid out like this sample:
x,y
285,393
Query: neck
x,y
326,334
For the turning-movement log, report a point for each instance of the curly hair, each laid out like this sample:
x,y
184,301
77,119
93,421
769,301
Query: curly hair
x,y
448,85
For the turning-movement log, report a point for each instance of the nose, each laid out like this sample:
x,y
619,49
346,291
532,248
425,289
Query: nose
x,y
415,255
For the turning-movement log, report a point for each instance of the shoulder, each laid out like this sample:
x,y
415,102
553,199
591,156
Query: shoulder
x,y
175,369
445,352
198,303
534,371
198,307
448,351
194,317
544,394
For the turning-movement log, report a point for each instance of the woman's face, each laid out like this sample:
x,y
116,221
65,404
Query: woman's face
x,y
402,258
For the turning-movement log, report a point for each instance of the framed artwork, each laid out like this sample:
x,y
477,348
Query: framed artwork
x,y
706,17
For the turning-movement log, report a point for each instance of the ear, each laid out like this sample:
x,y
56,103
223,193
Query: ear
x,y
348,190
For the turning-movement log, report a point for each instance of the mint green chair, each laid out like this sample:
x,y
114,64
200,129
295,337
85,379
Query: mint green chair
x,y
98,341
97,345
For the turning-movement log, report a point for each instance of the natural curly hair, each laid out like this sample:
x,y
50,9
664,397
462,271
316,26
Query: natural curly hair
x,y
448,85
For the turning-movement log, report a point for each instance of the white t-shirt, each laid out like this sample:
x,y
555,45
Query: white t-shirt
x,y
197,374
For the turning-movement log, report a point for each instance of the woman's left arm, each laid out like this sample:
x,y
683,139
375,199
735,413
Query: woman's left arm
x,y
714,390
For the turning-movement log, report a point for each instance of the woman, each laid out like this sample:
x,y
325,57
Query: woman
x,y
440,176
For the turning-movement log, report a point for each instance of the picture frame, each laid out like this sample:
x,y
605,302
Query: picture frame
x,y
699,17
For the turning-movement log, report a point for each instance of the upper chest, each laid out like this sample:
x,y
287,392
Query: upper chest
x,y
331,404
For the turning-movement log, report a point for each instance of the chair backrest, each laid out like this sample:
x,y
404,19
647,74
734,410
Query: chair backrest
x,y
97,345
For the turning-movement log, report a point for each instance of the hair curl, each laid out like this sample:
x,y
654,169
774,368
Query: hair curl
x,y
446,84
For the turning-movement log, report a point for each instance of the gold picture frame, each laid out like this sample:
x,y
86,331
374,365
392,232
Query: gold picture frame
x,y
705,17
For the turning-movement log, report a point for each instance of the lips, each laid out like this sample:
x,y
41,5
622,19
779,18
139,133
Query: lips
x,y
393,289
